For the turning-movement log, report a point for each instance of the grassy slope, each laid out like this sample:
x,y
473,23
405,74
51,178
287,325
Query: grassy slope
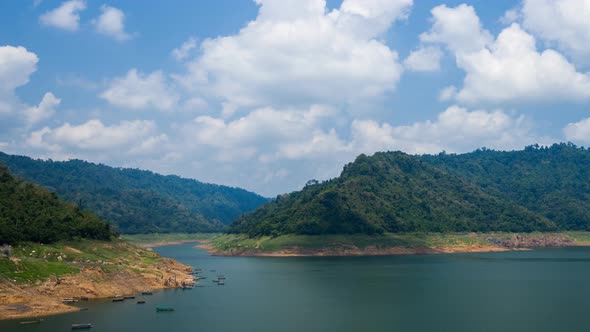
x,y
237,243
143,239
34,262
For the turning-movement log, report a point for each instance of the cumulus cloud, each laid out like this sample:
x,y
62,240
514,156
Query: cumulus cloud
x,y
578,132
141,91
509,68
424,59
44,110
111,22
66,16
95,136
458,28
563,22
297,53
184,50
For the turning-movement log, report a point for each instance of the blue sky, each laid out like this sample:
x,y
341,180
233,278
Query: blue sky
x,y
267,94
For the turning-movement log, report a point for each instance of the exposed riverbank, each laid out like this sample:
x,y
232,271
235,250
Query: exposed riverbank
x,y
159,240
387,244
36,280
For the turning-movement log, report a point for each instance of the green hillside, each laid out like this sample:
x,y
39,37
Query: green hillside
x,y
31,213
390,192
553,181
137,201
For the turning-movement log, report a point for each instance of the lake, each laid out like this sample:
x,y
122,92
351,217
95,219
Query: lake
x,y
544,290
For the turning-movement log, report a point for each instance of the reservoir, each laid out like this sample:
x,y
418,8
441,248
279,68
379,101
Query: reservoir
x,y
541,290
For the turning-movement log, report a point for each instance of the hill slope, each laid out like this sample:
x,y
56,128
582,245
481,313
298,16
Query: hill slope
x,y
553,181
31,213
138,201
390,192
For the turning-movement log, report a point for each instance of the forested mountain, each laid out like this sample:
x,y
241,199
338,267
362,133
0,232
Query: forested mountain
x,y
31,213
553,181
393,192
137,201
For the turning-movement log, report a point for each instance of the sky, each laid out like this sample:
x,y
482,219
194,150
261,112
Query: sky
x,y
268,94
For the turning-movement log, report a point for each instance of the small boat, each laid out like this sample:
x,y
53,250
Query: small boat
x,y
220,283
164,309
215,280
140,302
220,277
36,321
146,293
85,326
84,298
69,300
127,297
83,309
118,299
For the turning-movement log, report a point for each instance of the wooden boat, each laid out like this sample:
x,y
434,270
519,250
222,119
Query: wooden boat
x,y
127,297
164,309
84,298
83,309
146,293
118,299
140,302
81,326
69,300
36,321
220,283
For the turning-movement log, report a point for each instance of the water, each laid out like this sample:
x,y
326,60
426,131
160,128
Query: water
x,y
545,290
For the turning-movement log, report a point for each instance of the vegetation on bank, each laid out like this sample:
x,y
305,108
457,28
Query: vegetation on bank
x,y
538,189
236,244
137,201
31,262
31,213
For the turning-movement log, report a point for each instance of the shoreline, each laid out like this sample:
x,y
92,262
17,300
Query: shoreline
x,y
353,252
389,244
125,274
149,245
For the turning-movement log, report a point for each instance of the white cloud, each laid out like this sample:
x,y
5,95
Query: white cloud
x,y
44,110
111,22
95,136
16,66
141,91
184,50
66,16
448,93
507,69
296,53
510,16
424,59
578,132
564,22
455,130
459,28
513,69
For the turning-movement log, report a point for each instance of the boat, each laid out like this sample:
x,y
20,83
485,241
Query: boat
x,y
140,302
164,309
220,283
83,309
69,300
84,298
127,297
36,321
146,293
81,326
118,299
220,277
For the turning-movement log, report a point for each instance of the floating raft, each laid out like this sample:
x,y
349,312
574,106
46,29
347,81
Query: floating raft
x,y
85,326
164,309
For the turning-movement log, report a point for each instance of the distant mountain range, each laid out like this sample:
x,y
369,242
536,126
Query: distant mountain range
x,y
137,201
536,189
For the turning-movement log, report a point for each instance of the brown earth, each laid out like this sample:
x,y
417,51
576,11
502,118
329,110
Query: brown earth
x,y
45,298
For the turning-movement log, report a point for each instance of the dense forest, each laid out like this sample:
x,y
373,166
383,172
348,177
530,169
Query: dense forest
x,y
396,192
553,181
31,213
137,201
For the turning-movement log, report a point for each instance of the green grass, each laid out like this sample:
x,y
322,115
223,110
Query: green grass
x,y
35,261
266,244
168,237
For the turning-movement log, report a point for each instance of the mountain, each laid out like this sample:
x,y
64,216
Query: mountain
x,y
31,213
391,192
137,201
552,181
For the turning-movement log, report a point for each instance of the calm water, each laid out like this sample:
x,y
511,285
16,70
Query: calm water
x,y
546,290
